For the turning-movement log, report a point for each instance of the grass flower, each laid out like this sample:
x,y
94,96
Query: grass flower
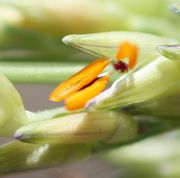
x,y
143,69
87,83
134,87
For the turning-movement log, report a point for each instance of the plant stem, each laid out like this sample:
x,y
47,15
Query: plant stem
x,y
39,72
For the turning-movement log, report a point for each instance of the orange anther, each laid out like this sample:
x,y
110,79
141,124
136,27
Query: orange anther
x,y
130,51
79,99
79,80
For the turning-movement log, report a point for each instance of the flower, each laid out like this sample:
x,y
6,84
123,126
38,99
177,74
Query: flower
x,y
155,76
88,83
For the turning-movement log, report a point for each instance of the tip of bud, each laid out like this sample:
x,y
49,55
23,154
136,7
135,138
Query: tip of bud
x,y
68,39
17,136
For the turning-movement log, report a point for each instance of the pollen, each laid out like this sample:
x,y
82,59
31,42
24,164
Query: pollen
x,y
79,99
79,80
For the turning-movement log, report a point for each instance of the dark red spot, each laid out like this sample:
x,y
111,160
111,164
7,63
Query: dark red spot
x,y
120,66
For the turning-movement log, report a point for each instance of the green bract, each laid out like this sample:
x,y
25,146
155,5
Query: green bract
x,y
157,79
106,44
12,113
80,128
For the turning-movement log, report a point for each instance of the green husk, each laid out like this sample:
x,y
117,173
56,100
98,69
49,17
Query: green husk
x,y
12,112
106,44
80,128
158,79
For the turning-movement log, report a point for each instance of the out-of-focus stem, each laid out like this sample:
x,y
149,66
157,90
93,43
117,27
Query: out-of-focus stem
x,y
17,156
39,72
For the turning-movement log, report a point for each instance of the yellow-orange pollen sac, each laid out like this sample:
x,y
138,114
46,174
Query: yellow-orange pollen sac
x,y
85,85
82,86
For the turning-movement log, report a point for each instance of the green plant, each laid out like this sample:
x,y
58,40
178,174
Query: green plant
x,y
140,103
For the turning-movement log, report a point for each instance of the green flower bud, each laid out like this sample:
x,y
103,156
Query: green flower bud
x,y
80,128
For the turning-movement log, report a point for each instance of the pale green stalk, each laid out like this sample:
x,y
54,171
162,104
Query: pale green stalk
x,y
39,72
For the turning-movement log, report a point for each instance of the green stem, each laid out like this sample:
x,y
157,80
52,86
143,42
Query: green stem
x,y
39,72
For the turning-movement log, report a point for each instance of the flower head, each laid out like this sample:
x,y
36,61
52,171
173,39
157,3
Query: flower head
x,y
88,83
